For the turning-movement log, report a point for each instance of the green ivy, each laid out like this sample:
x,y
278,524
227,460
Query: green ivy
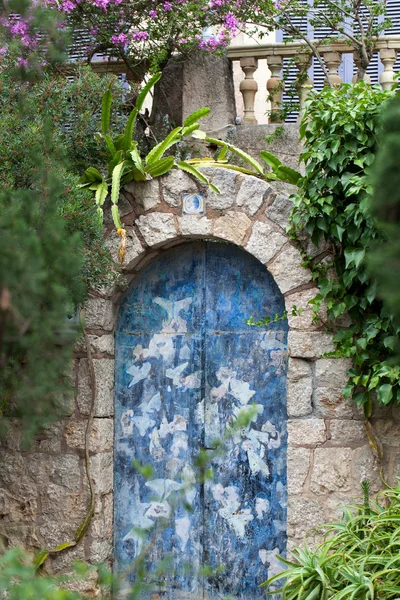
x,y
340,133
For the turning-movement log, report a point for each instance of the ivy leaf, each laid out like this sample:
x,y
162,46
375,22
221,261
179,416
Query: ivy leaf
x,y
384,393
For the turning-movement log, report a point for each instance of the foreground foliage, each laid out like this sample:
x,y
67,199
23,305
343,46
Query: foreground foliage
x,y
58,118
384,260
359,559
341,136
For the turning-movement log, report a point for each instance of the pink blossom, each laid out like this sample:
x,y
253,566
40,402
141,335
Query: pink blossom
x,y
167,6
153,14
140,36
119,40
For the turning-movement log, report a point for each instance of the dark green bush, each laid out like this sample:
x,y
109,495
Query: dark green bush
x,y
340,133
56,119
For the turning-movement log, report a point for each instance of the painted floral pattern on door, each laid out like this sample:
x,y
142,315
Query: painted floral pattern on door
x,y
188,367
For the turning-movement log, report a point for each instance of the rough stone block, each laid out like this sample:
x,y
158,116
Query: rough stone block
x,y
58,504
101,437
306,432
194,225
329,402
157,228
38,467
145,193
12,468
61,562
304,516
387,431
365,466
331,372
299,395
102,343
66,471
104,401
14,535
265,242
54,533
101,550
304,320
50,437
19,504
102,471
101,526
134,249
175,184
99,314
252,193
279,210
287,270
226,183
233,227
309,344
346,432
299,388
298,466
332,470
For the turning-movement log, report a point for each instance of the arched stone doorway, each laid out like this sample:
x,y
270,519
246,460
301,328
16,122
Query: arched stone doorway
x,y
190,371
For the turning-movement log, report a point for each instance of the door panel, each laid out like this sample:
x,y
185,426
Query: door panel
x,y
187,367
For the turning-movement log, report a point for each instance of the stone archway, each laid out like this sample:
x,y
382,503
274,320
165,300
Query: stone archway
x,y
328,452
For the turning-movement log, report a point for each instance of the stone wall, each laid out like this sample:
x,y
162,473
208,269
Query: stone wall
x,y
44,491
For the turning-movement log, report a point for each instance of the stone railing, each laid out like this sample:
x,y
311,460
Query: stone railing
x,y
387,47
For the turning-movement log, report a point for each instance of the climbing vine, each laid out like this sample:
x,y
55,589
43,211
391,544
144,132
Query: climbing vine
x,y
340,133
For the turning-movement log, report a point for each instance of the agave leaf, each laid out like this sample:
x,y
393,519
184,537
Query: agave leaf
x,y
115,216
92,175
190,129
244,156
216,142
199,134
146,89
101,193
119,141
130,126
136,158
271,160
161,167
196,173
110,145
106,111
116,182
117,158
195,116
157,152
287,174
222,153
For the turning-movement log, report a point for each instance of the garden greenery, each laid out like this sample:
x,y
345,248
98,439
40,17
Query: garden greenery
x,y
358,560
341,135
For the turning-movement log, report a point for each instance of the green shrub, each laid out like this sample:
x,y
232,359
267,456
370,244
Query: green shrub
x,y
56,119
340,133
359,559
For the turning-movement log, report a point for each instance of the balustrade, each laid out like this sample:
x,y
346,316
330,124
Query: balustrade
x,y
386,47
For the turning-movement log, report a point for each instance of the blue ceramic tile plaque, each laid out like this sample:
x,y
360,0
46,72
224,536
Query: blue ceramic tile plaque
x,y
193,204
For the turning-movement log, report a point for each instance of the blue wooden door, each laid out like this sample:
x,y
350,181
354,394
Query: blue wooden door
x,y
189,371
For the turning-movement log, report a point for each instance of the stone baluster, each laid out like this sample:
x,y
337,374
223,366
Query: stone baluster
x,y
333,61
388,58
248,88
357,62
275,87
305,83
